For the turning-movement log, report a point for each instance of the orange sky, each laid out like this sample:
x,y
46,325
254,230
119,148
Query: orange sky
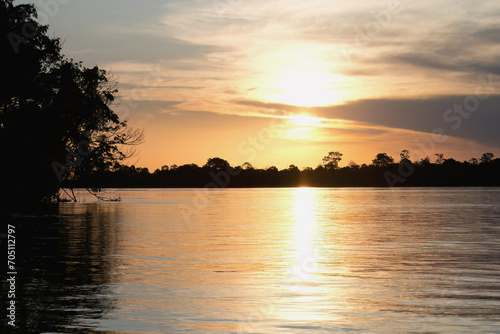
x,y
285,82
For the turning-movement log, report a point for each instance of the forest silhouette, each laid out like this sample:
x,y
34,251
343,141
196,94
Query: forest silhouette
x,y
382,172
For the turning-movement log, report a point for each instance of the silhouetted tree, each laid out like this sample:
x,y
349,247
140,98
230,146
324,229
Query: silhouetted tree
x,y
424,161
247,166
474,161
439,158
486,158
56,123
319,168
331,161
405,155
142,170
353,165
382,160
216,164
451,162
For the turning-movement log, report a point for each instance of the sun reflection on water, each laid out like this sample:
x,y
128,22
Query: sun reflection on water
x,y
306,294
305,223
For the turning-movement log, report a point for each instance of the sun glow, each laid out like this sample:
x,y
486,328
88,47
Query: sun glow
x,y
306,88
303,120
303,127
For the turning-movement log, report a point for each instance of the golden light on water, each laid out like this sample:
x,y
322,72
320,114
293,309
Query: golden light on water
x,y
305,230
305,289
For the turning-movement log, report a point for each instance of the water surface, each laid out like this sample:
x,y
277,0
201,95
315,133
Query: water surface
x,y
288,260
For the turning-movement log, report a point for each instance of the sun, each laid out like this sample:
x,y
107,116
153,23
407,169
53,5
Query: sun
x,y
303,120
306,89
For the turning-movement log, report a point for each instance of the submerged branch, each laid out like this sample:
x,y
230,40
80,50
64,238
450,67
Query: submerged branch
x,y
95,192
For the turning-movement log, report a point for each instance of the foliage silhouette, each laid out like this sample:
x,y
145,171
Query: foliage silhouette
x,y
331,161
383,160
486,158
216,164
423,173
56,123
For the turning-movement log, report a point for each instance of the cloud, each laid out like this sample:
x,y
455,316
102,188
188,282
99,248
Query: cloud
x,y
418,59
421,115
279,109
139,47
490,34
442,46
425,115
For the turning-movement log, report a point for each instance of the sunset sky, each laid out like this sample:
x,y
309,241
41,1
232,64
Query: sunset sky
x,y
285,82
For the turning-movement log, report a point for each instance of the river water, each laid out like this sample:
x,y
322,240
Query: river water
x,y
284,260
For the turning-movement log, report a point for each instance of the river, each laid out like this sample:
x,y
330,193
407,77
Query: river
x,y
281,260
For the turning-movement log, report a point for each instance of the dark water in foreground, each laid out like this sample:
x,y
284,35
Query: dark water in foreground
x,y
295,260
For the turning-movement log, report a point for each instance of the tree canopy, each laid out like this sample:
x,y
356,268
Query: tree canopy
x,y
383,172
56,122
331,161
383,160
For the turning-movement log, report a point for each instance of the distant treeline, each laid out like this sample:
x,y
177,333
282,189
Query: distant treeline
x,y
383,172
